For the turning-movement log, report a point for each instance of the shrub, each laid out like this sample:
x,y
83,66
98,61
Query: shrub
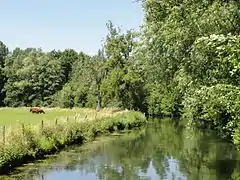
x,y
216,107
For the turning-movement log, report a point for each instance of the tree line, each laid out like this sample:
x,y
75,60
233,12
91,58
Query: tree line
x,y
184,62
31,77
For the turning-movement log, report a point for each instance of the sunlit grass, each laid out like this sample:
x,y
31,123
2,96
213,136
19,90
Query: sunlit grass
x,y
23,140
10,116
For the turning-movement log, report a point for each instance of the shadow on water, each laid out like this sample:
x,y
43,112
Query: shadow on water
x,y
162,150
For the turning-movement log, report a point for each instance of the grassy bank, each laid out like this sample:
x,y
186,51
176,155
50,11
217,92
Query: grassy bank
x,y
33,142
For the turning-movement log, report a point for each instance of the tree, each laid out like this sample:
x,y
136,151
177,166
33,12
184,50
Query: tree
x,y
76,92
96,73
32,78
123,86
170,31
67,58
3,54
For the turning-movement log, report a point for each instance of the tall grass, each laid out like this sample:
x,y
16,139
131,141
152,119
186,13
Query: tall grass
x,y
35,141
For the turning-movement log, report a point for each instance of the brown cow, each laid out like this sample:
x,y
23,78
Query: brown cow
x,y
36,110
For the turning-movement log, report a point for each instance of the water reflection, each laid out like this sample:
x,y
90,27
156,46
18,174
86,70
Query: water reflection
x,y
159,151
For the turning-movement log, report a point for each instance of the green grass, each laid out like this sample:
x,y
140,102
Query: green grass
x,y
9,116
23,144
12,116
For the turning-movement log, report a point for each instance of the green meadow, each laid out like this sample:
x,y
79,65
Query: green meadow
x,y
12,116
9,116
25,143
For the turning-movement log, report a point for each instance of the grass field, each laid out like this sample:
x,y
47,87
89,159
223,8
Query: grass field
x,y
21,143
11,116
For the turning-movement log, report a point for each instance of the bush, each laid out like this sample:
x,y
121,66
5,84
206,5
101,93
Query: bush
x,y
159,101
215,60
216,107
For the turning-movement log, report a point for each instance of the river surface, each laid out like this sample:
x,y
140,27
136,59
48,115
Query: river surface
x,y
159,151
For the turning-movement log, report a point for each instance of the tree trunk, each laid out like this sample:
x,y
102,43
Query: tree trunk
x,y
99,99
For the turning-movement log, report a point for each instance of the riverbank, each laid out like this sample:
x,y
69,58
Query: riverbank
x,y
141,153
34,142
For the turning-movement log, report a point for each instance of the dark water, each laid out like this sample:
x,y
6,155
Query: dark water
x,y
159,151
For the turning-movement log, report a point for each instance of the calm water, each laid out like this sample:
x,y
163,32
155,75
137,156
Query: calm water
x,y
159,151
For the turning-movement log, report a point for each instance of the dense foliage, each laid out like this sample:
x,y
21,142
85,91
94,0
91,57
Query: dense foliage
x,y
191,62
184,62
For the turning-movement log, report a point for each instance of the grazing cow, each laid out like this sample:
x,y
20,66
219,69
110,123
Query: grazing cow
x,y
36,110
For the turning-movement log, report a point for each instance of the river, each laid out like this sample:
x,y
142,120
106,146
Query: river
x,y
162,150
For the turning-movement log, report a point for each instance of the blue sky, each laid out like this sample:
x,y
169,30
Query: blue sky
x,y
60,24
